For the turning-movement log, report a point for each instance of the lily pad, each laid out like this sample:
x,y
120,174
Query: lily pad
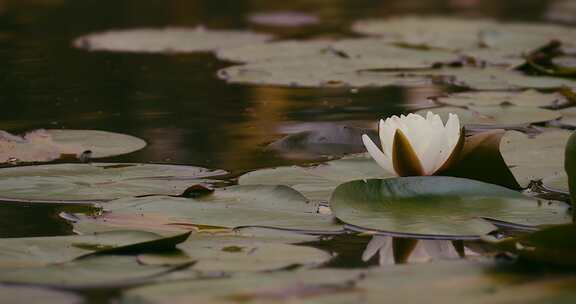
x,y
167,40
317,182
438,207
83,183
530,98
98,272
24,294
496,116
534,158
557,183
48,145
41,251
284,19
460,34
258,206
442,282
243,254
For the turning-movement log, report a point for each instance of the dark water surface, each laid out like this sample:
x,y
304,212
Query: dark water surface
x,y
176,103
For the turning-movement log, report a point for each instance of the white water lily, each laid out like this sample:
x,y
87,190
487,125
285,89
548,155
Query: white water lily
x,y
414,145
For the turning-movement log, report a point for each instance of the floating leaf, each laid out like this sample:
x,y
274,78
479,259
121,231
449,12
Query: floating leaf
x,y
497,116
48,145
263,206
167,40
443,282
438,207
98,272
24,294
317,182
244,253
534,158
283,19
84,183
529,98
39,251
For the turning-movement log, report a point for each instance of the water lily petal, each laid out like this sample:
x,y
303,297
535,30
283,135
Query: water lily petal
x,y
382,159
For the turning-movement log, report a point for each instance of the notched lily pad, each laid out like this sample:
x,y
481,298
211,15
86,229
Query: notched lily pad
x,y
167,40
83,183
41,251
534,157
438,207
48,145
277,207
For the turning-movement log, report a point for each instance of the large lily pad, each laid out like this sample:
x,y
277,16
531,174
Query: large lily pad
x,y
265,206
167,40
40,251
459,34
47,145
497,116
438,207
534,158
317,182
240,254
98,272
22,294
96,182
444,282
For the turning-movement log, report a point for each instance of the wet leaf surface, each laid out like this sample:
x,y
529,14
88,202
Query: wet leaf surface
x,y
82,183
438,207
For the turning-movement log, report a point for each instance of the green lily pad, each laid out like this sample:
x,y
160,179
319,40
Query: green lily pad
x,y
48,145
568,117
167,40
496,116
262,206
438,207
242,254
26,294
82,183
317,182
40,251
530,98
534,158
549,245
443,282
98,272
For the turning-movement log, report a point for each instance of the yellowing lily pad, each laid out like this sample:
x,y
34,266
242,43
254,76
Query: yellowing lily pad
x,y
48,145
84,183
534,158
438,207
41,251
277,207
529,98
497,116
317,182
167,40
244,254
27,294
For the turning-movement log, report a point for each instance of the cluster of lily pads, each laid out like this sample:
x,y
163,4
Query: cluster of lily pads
x,y
167,233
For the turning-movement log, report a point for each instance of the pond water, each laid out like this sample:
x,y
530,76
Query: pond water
x,y
176,103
